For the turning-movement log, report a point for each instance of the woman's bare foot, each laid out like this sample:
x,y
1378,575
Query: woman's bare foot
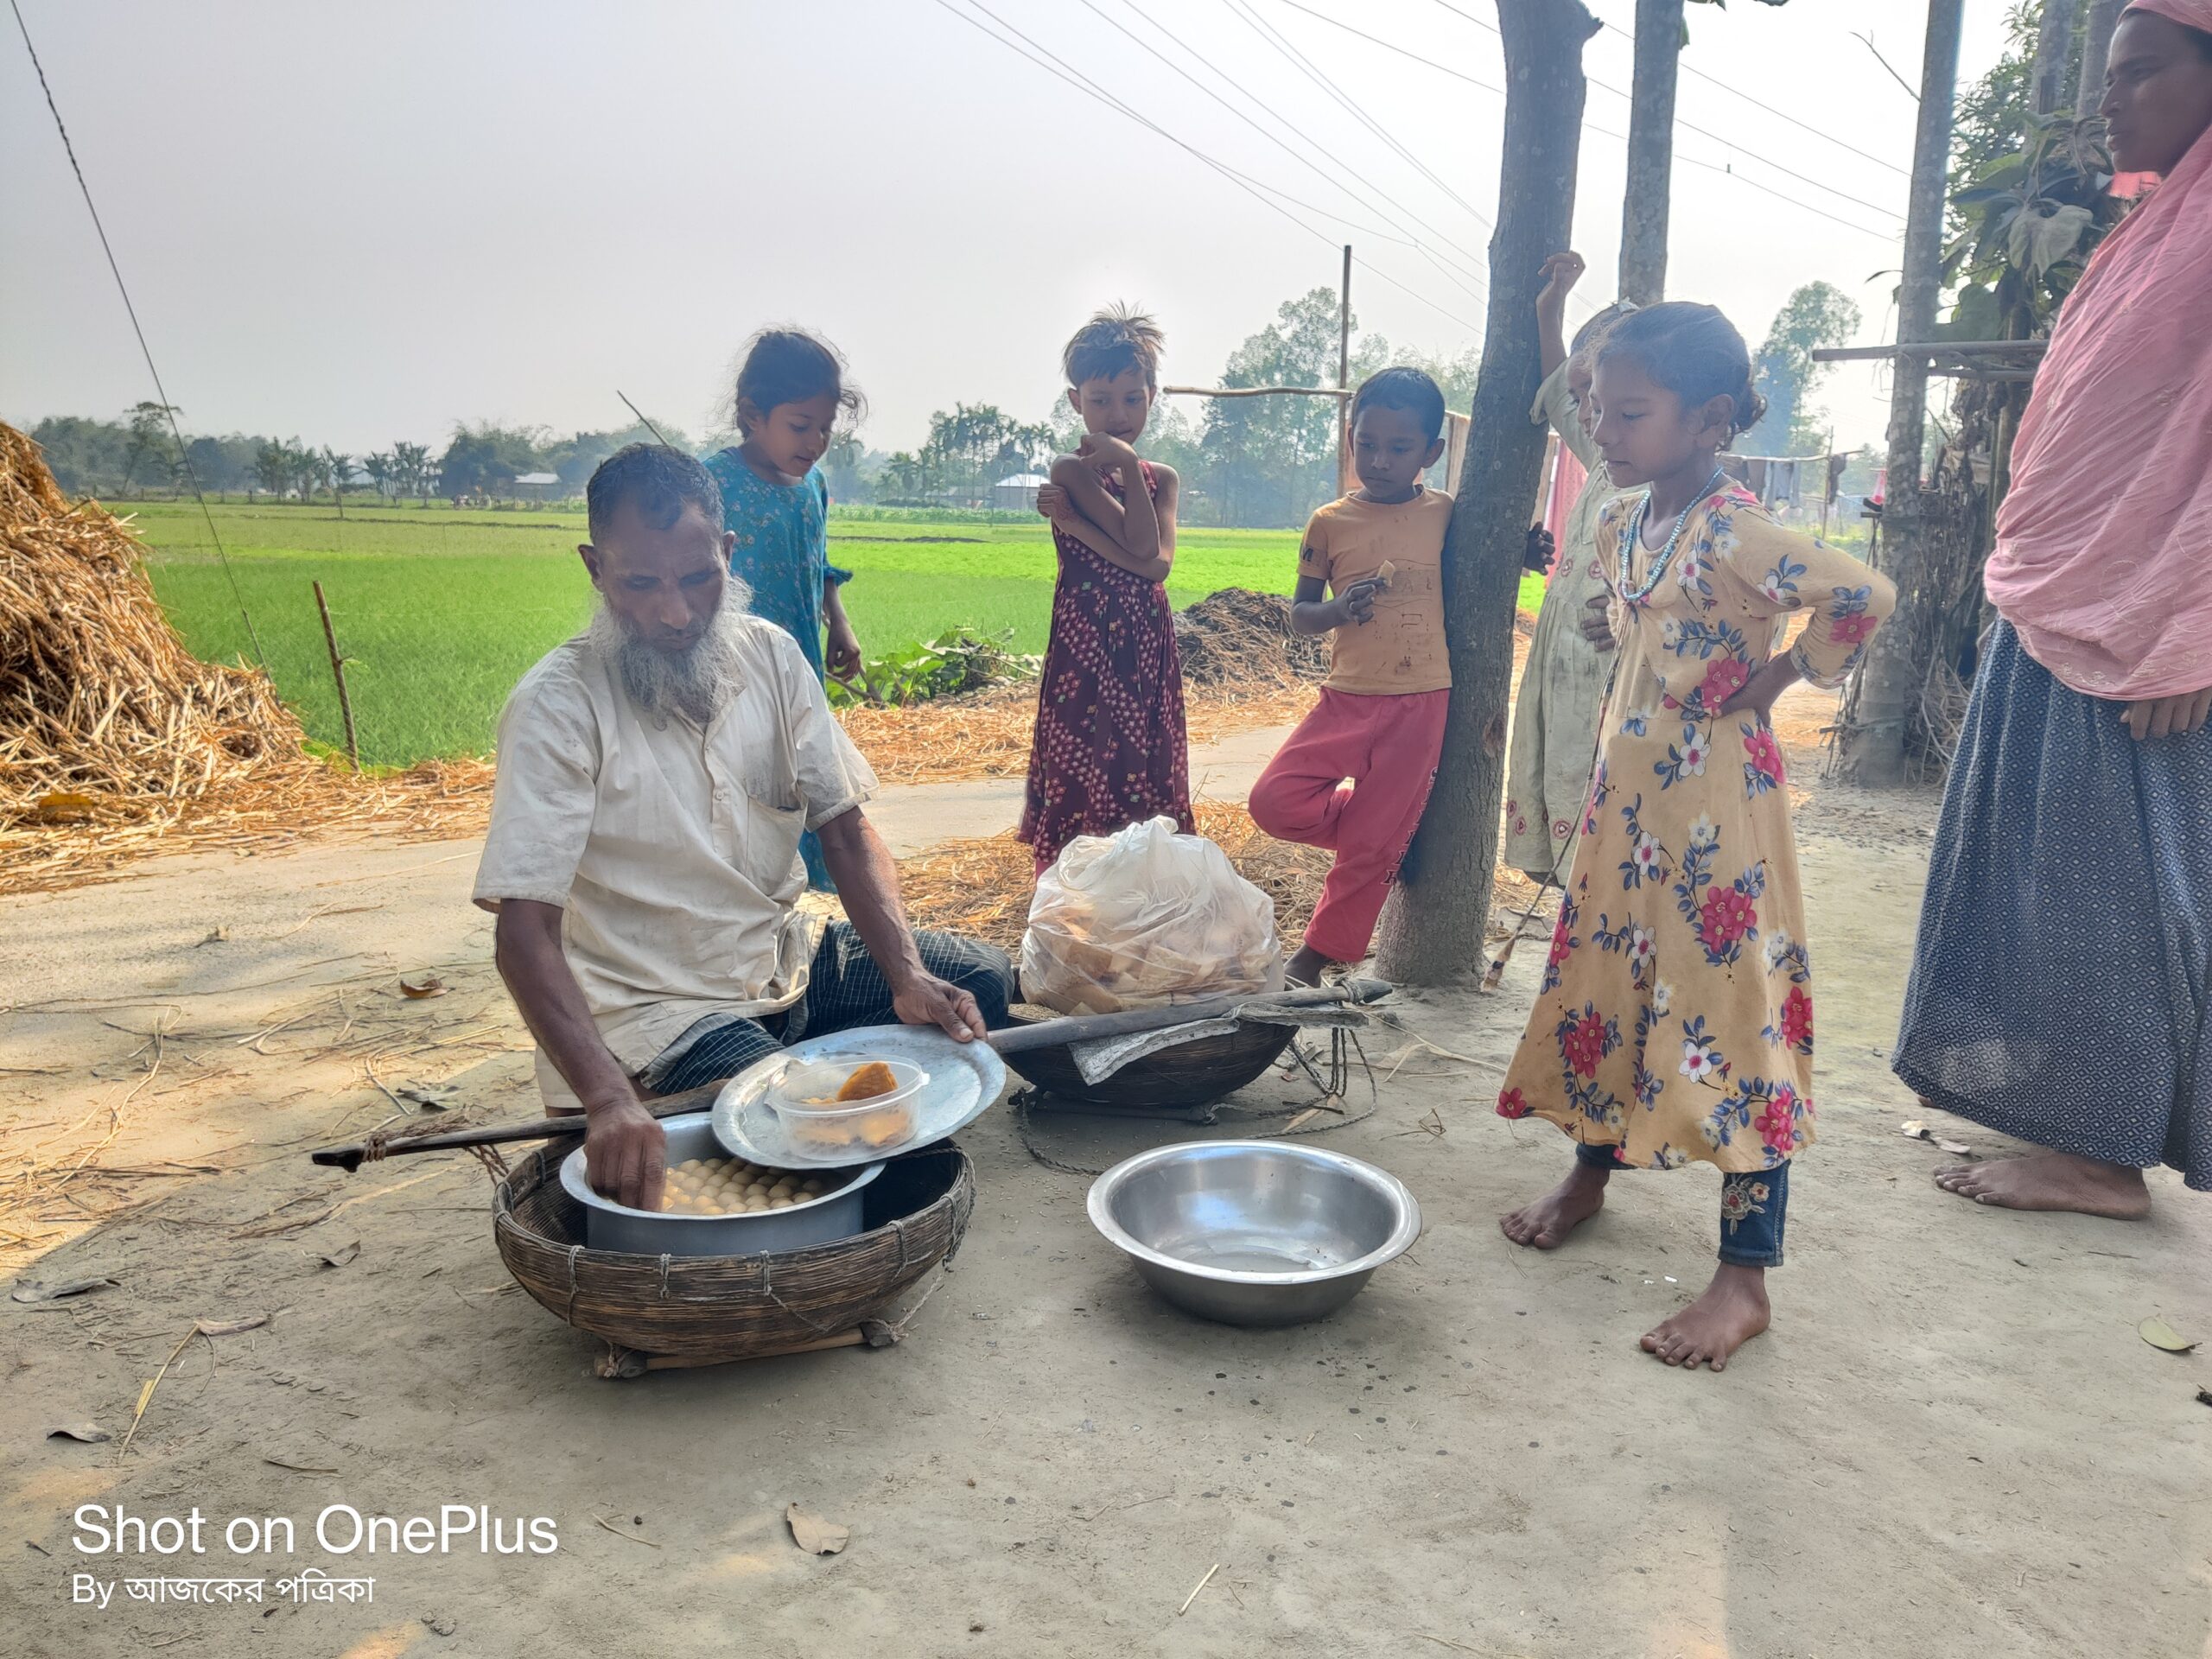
x,y
1544,1224
1306,967
2052,1181
1731,1312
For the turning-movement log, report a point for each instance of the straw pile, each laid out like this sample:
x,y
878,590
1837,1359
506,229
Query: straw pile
x,y
113,735
1236,637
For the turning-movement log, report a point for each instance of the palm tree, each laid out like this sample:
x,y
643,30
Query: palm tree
x,y
272,467
379,466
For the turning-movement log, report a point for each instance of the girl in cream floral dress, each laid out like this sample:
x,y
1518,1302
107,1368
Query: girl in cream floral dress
x,y
1674,1022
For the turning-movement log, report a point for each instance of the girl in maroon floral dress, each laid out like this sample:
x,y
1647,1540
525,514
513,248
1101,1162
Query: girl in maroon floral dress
x,y
1108,749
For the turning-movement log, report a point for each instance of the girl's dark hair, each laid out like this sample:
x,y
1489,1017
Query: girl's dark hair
x,y
1693,351
789,365
1594,330
1403,389
1113,341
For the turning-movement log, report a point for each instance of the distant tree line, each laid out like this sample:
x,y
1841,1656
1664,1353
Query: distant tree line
x,y
1244,461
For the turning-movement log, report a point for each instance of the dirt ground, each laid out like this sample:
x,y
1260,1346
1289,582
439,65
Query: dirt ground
x,y
1953,1441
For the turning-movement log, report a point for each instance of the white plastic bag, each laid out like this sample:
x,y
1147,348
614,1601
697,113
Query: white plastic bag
x,y
1145,916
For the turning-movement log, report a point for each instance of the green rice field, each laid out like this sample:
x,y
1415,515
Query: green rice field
x,y
438,612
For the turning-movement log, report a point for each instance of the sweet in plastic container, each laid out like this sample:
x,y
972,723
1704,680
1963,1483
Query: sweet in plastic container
x,y
848,1104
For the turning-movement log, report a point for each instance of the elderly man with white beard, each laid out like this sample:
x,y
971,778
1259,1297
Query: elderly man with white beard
x,y
654,775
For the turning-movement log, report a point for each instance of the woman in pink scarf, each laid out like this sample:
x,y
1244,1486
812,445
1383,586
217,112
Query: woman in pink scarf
x,y
2061,987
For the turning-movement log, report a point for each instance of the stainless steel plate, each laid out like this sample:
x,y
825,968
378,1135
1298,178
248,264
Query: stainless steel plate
x,y
965,1080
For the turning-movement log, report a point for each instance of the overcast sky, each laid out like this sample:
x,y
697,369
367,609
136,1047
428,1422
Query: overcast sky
x,y
360,223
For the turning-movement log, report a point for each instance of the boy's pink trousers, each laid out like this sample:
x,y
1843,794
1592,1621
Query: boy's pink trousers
x,y
1354,778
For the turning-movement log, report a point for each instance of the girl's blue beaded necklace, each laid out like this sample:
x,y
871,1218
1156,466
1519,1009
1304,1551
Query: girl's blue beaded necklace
x,y
1633,538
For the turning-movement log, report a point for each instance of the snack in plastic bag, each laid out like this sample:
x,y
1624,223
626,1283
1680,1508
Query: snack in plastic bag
x,y
1143,917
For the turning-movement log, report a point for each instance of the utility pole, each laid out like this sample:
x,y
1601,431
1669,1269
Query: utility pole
x,y
2054,49
1650,151
1433,926
2096,50
1890,687
1343,378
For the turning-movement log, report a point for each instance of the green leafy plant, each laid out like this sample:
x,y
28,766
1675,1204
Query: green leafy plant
x,y
2027,223
959,661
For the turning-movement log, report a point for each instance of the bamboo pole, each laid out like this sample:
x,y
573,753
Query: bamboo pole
x,y
1890,686
338,673
1343,378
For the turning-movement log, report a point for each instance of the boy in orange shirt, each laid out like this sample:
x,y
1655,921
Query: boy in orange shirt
x,y
1356,774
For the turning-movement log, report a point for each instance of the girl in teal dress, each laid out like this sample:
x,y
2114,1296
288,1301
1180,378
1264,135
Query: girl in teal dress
x,y
790,392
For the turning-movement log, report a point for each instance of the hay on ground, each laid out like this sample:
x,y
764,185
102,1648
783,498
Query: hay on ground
x,y
980,887
114,738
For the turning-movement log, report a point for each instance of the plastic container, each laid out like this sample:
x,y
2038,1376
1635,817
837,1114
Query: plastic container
x,y
805,1102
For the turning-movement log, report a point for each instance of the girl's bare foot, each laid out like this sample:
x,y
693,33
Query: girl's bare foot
x,y
1544,1224
2052,1181
1731,1312
1306,967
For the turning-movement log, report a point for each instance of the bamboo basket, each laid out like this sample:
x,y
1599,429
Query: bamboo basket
x,y
724,1307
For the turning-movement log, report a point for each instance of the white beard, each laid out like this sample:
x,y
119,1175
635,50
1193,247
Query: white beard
x,y
697,683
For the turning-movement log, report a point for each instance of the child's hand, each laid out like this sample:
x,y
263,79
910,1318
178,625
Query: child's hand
x,y
1356,603
1541,551
1052,503
1561,273
1777,676
1598,622
1108,453
842,654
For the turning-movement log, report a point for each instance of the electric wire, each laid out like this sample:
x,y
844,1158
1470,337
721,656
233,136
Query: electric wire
x,y
161,391
1295,156
1045,58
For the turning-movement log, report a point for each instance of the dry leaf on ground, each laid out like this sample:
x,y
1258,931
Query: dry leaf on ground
x,y
2159,1334
54,1292
814,1535
341,1256
429,985
90,1433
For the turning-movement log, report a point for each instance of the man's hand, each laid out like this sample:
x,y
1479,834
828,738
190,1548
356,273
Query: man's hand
x,y
1757,696
925,1000
625,1154
2174,716
1598,622
1561,273
1541,552
843,651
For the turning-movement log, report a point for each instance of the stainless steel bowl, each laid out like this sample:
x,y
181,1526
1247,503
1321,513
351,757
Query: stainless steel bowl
x,y
612,1226
1254,1232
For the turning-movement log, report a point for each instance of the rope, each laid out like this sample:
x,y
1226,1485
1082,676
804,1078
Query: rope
x,y
160,391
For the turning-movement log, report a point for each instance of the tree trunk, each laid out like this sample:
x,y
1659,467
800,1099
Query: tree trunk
x,y
2096,48
1432,928
1874,745
1650,151
2053,54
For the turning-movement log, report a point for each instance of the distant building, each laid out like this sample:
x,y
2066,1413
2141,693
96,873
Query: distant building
x,y
538,486
1018,493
